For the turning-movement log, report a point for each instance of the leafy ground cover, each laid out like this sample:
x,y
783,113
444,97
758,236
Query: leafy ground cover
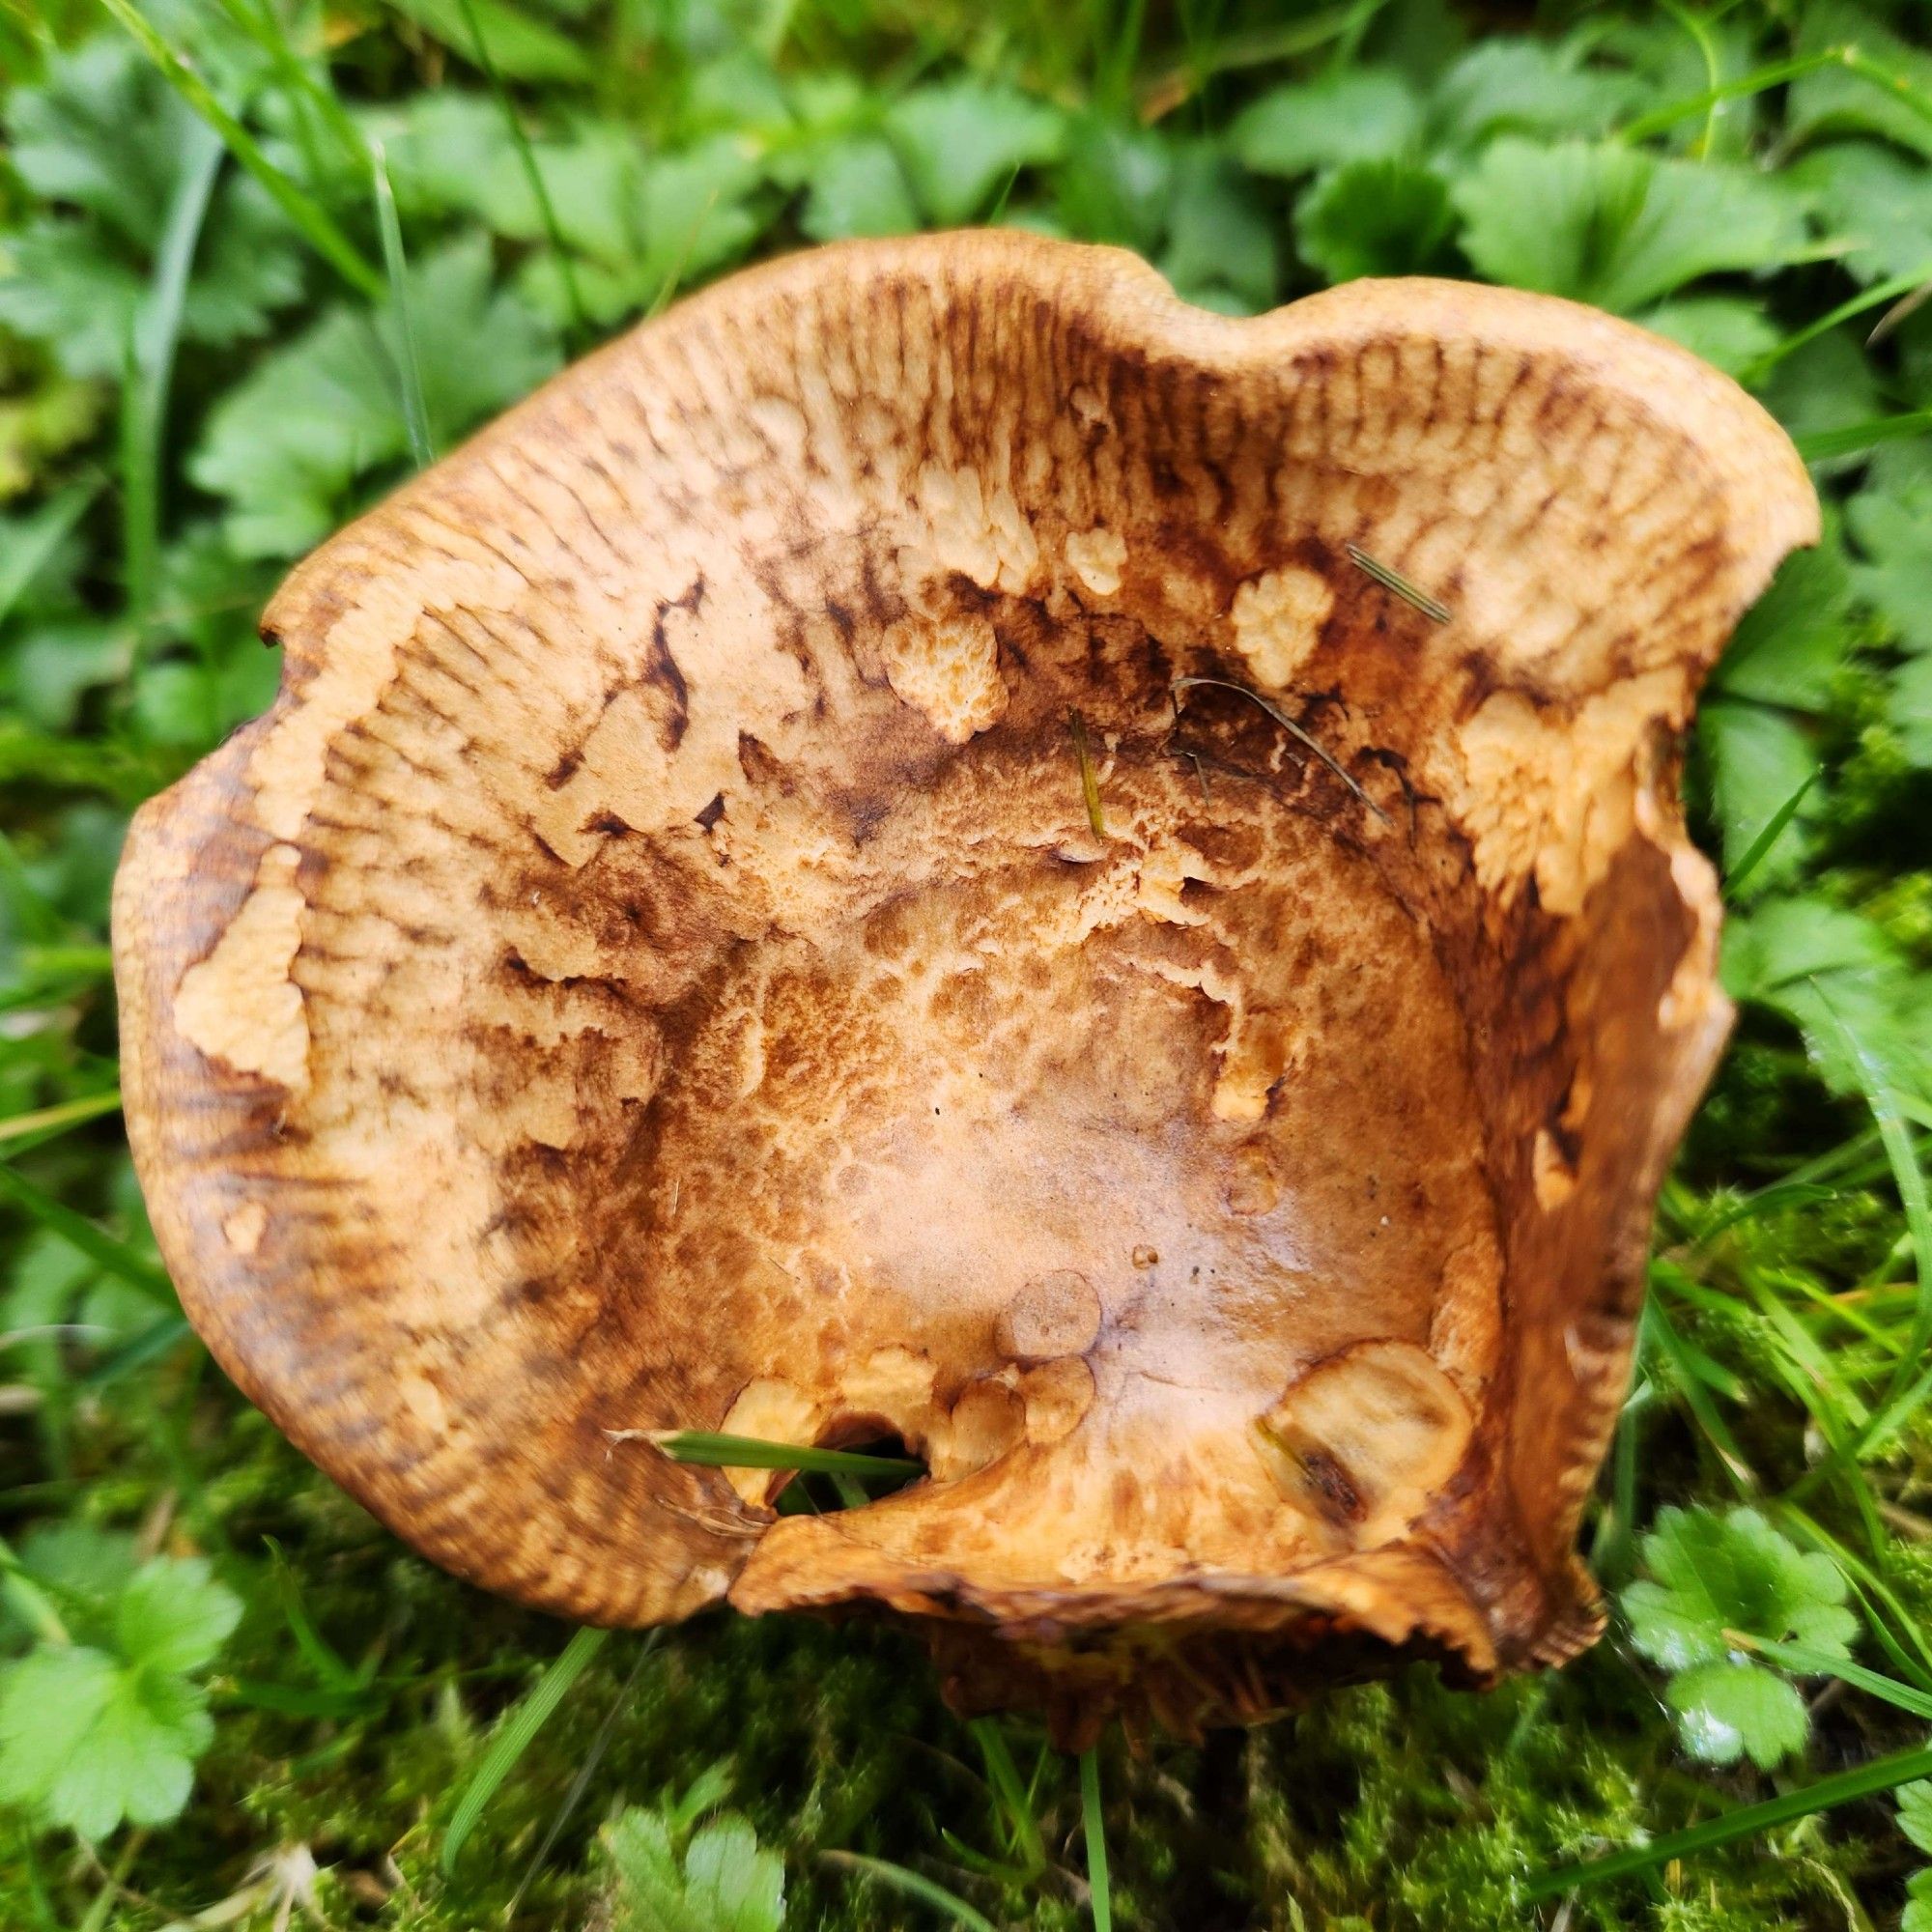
x,y
257,258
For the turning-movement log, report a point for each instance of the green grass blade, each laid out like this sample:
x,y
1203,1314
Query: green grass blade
x,y
1773,1199
1875,297
1804,1662
749,1451
1884,1774
1120,57
1871,1590
1003,1776
1823,445
150,1345
1398,585
1757,81
1094,1824
911,1884
31,1603
1089,784
1682,1361
264,26
314,222
1910,1178
1769,835
1895,85
403,337
27,555
573,1797
516,1737
48,1122
144,400
1706,44
115,1257
1899,1409
320,1656
566,267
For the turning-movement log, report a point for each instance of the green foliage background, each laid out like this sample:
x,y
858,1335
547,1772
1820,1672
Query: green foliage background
x,y
207,340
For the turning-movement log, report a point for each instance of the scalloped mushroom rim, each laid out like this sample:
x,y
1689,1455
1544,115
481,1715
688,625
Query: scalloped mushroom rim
x,y
654,967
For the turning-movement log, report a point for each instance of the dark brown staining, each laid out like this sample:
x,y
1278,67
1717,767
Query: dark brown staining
x,y
1329,1485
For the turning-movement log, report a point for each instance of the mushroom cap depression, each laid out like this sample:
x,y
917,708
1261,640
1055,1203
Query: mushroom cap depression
x,y
735,921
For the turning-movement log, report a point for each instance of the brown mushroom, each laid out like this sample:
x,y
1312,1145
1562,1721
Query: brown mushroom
x,y
656,966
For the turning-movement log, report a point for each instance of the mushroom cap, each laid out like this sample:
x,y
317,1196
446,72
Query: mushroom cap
x,y
655,966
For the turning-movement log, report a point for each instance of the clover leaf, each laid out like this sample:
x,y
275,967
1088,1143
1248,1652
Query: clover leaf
x,y
1618,227
1717,1583
1364,114
103,141
961,140
1388,216
91,1734
287,443
724,1882
1914,1820
1896,577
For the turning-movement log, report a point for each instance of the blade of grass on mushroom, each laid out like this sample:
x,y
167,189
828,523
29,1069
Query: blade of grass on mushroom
x,y
1884,1774
402,340
1089,784
749,1451
516,1737
1094,1822
911,1884
1289,726
1395,582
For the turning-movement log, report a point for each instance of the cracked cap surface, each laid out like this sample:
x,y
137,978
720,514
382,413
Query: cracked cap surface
x,y
654,966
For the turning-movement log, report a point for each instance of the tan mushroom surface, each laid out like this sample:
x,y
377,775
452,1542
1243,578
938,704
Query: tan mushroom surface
x,y
655,965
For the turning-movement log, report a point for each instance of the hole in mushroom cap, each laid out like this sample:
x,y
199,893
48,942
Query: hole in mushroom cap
x,y
813,1492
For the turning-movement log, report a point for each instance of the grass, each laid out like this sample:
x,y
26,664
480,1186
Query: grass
x,y
1432,607
212,351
